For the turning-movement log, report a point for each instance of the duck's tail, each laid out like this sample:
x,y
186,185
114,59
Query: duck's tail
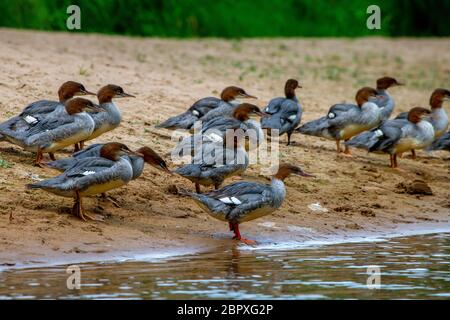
x,y
183,121
33,186
61,164
315,128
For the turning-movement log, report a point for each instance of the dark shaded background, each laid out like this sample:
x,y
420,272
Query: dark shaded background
x,y
233,18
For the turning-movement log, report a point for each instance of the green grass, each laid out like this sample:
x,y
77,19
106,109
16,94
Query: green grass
x,y
233,19
5,164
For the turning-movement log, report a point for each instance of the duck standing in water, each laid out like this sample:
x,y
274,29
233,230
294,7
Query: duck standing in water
x,y
91,176
397,136
38,110
386,102
344,121
244,201
109,120
284,114
199,109
54,133
438,118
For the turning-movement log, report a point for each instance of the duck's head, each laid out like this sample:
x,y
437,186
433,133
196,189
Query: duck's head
x,y
232,93
438,97
244,110
366,94
289,88
78,105
417,114
114,150
111,91
387,82
70,89
153,159
285,170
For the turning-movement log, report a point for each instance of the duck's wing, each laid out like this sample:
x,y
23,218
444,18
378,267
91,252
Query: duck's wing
x,y
84,173
187,119
223,109
242,197
274,105
443,143
41,107
221,124
339,115
236,199
91,151
286,119
368,139
64,164
203,106
387,135
50,123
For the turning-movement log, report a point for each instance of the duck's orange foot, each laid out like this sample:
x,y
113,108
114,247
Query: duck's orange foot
x,y
246,241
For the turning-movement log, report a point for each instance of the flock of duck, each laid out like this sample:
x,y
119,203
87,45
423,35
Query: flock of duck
x,y
50,126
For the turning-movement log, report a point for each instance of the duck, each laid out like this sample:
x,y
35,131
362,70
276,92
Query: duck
x,y
344,121
54,133
91,176
245,201
146,155
439,117
284,114
399,135
386,102
443,143
216,128
215,162
109,120
36,111
226,109
203,106
143,155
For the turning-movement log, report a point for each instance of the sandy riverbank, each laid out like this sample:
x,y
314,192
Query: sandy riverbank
x,y
362,194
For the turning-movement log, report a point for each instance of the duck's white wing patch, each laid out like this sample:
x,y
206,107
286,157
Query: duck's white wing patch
x,y
292,117
195,113
235,200
88,172
378,133
230,200
214,137
30,120
331,115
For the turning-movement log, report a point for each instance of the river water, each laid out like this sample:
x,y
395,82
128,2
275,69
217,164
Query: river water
x,y
413,267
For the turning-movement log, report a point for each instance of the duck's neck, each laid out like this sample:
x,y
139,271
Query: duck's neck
x,y
114,115
290,94
439,120
137,163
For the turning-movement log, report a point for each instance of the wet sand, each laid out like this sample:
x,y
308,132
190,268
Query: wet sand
x,y
362,194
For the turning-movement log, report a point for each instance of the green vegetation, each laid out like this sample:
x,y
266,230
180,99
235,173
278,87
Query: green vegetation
x,y
5,164
231,18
